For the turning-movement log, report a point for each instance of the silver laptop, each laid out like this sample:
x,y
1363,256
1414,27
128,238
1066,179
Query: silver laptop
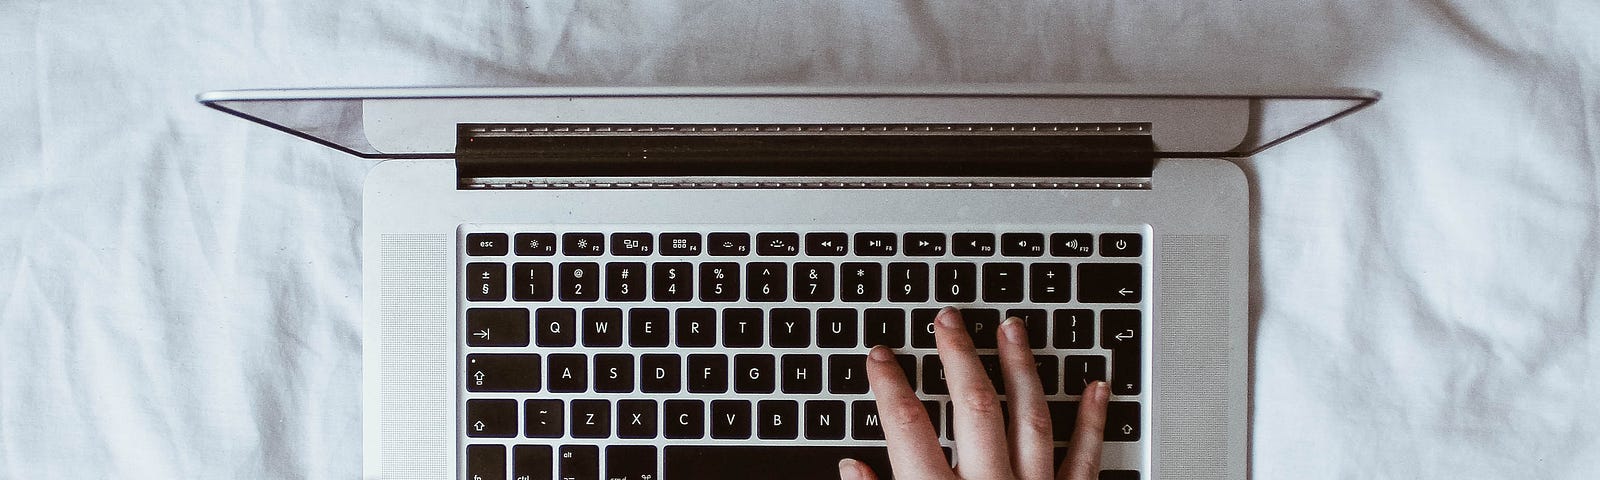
x,y
681,283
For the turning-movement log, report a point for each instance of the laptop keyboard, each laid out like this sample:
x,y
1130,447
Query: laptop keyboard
x,y
672,353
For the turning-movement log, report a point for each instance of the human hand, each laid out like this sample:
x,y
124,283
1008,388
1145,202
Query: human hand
x,y
985,448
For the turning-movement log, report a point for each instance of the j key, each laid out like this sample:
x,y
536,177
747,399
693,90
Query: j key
x,y
972,244
875,244
813,282
719,282
486,282
730,419
825,420
1074,328
647,327
491,418
884,326
1022,244
847,374
864,421
777,244
925,244
1071,244
674,282
778,419
580,281
613,373
568,373
659,373
680,244
536,244
697,327
1047,368
790,327
487,462
860,282
487,244
632,244
497,327
1080,370
933,376
1037,321
1121,244
754,373
802,374
557,327
532,282
590,419
1109,283
544,419
683,419
583,244
708,373
922,327
1122,422
836,328
827,244
508,372
1002,282
1119,333
767,281
580,462
728,244
908,282
1051,282
725,462
630,462
531,462
636,419
602,327
982,325
625,282
742,328
955,282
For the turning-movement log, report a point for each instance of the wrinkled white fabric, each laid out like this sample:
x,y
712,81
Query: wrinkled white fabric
x,y
179,289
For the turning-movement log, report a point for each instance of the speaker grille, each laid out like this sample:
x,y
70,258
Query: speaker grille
x,y
414,291
1198,399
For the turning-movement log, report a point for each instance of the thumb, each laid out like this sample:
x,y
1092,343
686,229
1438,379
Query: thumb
x,y
850,469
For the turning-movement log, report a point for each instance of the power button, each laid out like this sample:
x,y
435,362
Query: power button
x,y
1121,245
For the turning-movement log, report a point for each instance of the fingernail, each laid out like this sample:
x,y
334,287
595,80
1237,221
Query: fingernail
x,y
881,354
848,469
1014,331
948,318
1102,391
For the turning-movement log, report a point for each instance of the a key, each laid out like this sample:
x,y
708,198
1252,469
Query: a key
x,y
486,282
933,376
613,373
487,244
847,374
1080,370
860,282
532,462
827,244
602,327
660,373
884,326
870,244
908,282
754,373
1046,366
683,419
1119,333
742,328
1109,283
1002,282
503,372
719,282
825,420
1122,422
1074,328
813,282
924,244
567,373
583,244
673,282
1037,321
497,327
632,244
532,282
680,244
1022,244
864,421
1121,244
555,327
728,244
922,327
543,419
1050,282
636,419
802,374
590,419
580,462
647,327
972,244
784,244
708,373
730,419
491,418
767,281
789,327
487,462
1071,244
778,419
982,325
536,244
836,328
580,281
625,282
697,327
955,282
630,462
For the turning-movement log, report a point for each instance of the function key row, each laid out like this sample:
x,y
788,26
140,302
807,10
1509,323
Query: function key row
x,y
816,244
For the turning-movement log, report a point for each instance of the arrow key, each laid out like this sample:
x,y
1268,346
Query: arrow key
x,y
491,418
1110,283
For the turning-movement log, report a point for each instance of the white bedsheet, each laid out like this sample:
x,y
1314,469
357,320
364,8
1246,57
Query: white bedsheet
x,y
179,290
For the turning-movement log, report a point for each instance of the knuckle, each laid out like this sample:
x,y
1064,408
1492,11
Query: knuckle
x,y
981,402
1033,423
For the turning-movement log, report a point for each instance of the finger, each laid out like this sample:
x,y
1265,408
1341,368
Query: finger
x,y
980,432
1032,450
1083,456
850,469
913,445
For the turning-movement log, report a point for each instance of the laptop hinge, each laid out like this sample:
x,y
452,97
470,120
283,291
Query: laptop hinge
x,y
1101,155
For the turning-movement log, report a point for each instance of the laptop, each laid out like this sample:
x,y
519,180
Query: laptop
x,y
682,283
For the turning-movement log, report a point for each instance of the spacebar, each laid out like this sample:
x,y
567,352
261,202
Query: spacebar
x,y
777,463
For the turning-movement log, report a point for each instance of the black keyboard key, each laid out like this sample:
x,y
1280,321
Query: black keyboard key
x,y
847,374
767,281
802,374
774,462
728,244
1002,282
778,419
730,419
831,244
972,244
491,418
876,244
580,462
544,419
1121,244
1037,321
1049,377
955,282
486,282
487,462
556,327
632,244
922,327
708,373
860,282
1063,419
719,282
533,282
625,282
991,367
933,416
1119,333
1074,328
647,327
580,281
982,325
789,327
602,327
836,328
503,372
680,244
613,373
591,418
825,420
487,244
1081,370
660,373
742,328
1119,475
1122,422
1109,283
683,419
933,376
583,244
536,244
1071,244
630,462
925,244
1051,282
567,373
531,462
884,326
813,282
908,366
636,419
754,373
908,282
696,327
864,421
673,282
782,244
497,327
1022,244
